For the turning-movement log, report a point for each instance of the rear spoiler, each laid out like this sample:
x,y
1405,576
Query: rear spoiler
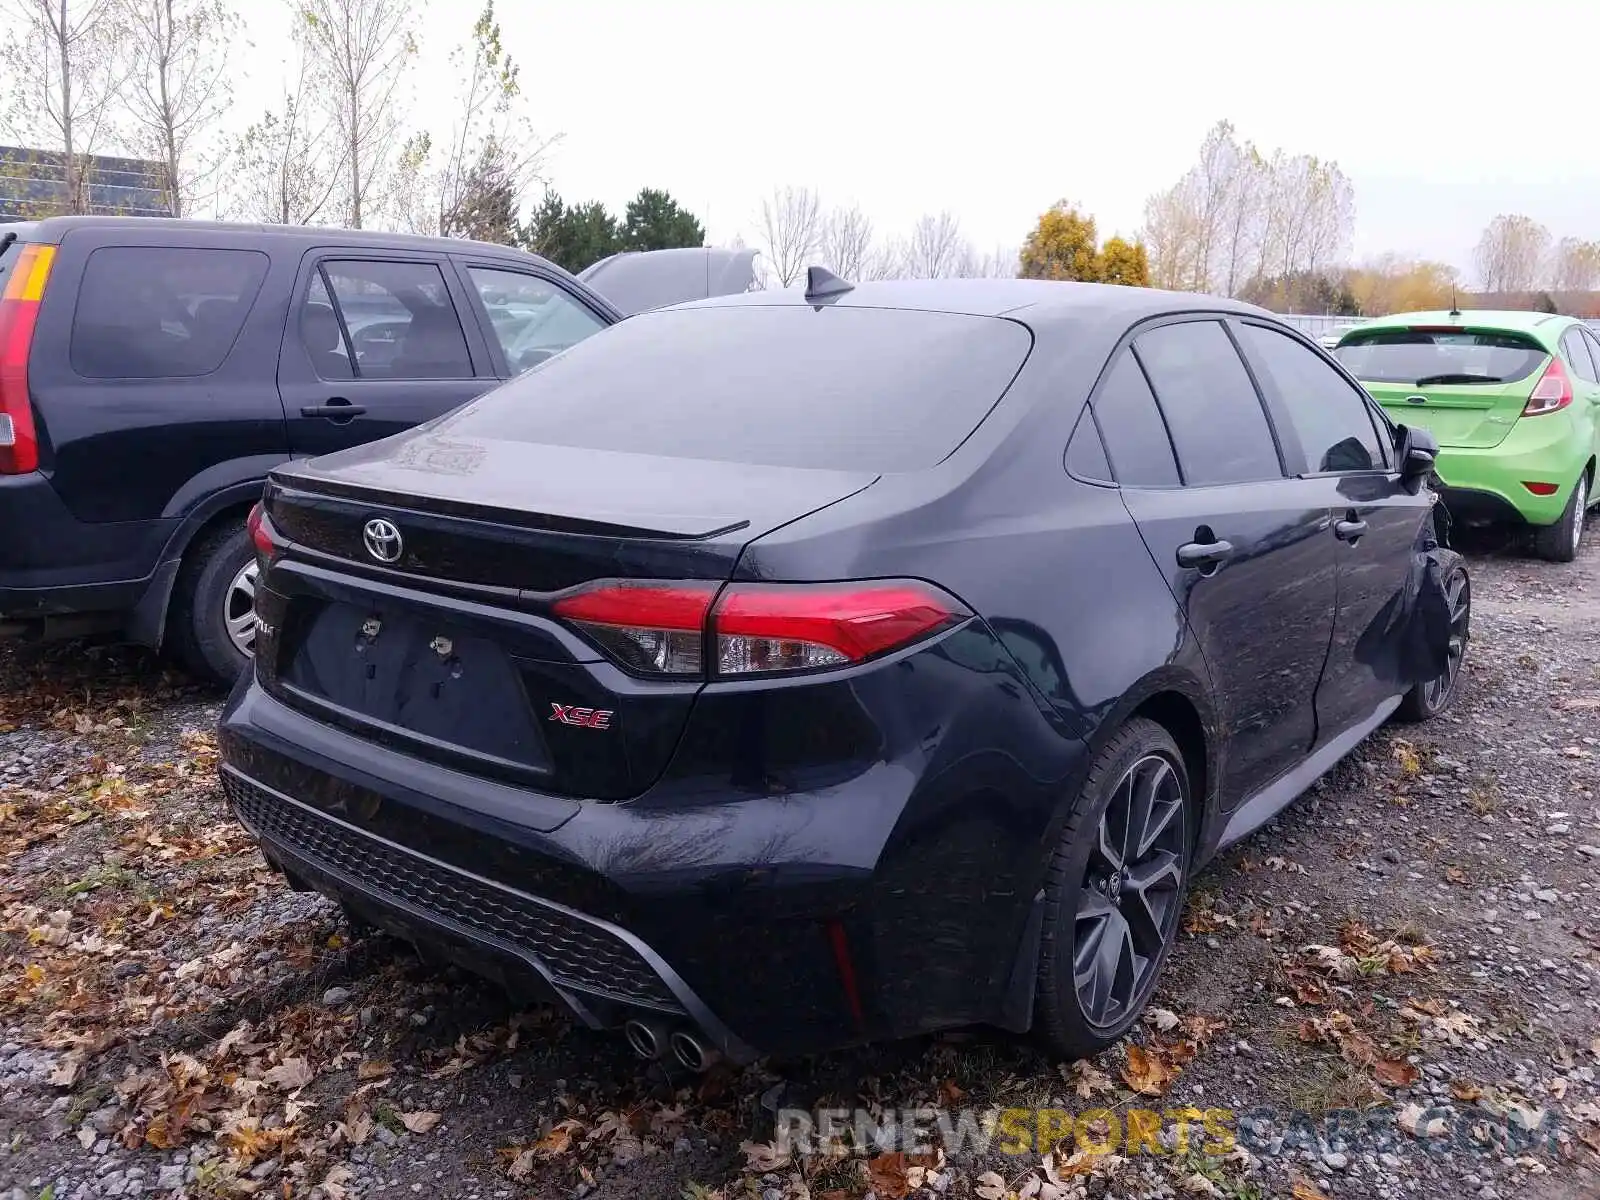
x,y
636,281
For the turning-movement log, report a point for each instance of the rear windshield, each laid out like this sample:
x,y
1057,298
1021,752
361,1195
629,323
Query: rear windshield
x,y
10,253
1421,357
782,386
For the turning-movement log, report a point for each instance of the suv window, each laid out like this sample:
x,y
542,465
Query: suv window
x,y
1331,418
1135,436
532,318
401,320
1577,351
848,389
157,312
1218,426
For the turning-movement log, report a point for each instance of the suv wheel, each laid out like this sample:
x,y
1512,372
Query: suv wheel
x,y
1559,542
1427,700
212,622
1115,891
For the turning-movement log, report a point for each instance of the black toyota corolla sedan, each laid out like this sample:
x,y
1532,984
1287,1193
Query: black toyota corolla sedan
x,y
799,668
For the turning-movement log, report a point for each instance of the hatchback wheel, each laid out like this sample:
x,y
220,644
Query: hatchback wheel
x,y
1560,542
1115,891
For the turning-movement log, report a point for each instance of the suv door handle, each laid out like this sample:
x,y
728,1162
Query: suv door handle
x,y
1349,530
335,410
1204,554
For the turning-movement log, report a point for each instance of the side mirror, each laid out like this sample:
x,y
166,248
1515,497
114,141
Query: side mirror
x,y
1418,450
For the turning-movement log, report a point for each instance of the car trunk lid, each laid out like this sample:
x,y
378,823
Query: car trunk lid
x,y
435,633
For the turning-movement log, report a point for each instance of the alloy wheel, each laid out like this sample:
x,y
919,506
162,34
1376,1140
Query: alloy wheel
x,y
1580,502
1458,594
1132,891
239,609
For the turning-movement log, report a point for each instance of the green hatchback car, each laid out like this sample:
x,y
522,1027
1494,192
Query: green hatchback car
x,y
1514,400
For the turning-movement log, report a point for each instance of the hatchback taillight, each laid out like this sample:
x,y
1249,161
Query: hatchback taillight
x,y
687,629
19,310
1552,393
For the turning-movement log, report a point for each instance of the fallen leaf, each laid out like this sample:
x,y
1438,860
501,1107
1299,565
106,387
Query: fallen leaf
x,y
1198,1185
990,1187
1164,1019
557,1141
951,1091
1086,1078
372,1068
895,1175
1455,875
1465,1090
1146,1073
1301,1188
762,1157
1396,1072
419,1122
289,1075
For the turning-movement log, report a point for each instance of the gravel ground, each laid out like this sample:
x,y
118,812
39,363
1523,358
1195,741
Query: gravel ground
x,y
1392,992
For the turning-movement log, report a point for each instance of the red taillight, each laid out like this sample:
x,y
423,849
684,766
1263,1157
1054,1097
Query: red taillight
x,y
755,628
1541,489
19,310
260,537
1552,393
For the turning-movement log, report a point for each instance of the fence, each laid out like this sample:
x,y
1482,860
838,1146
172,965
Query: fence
x,y
1316,325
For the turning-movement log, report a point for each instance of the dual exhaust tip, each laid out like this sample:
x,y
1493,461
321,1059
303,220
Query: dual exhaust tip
x,y
651,1040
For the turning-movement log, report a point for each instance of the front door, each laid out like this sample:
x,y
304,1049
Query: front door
x,y
1245,550
374,346
1341,447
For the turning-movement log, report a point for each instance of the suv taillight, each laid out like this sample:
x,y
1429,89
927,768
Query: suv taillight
x,y
1552,393
261,536
685,629
19,309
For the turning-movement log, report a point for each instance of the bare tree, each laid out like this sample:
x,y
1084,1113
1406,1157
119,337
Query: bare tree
x,y
178,84
1576,265
287,166
1510,255
791,232
846,242
935,248
61,57
361,49
886,260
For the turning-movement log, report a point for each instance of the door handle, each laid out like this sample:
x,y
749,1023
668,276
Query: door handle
x,y
338,410
1349,530
1204,554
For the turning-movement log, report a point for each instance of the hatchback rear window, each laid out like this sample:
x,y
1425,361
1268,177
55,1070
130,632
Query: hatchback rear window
x,y
771,385
1421,356
154,312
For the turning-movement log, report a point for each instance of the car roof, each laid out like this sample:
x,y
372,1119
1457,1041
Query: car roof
x,y
1036,301
1511,320
636,281
53,229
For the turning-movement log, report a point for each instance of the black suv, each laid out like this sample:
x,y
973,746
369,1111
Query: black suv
x,y
153,371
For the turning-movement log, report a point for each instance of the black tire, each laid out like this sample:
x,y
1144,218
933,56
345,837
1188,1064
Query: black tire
x,y
1427,700
1560,542
196,622
1063,1017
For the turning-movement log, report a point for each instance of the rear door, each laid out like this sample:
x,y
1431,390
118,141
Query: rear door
x,y
375,344
527,314
1245,550
1342,452
1466,386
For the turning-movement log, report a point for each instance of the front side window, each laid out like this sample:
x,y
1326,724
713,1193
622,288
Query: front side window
x,y
532,318
1330,417
158,312
1218,426
401,321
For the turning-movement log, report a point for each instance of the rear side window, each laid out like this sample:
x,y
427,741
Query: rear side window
x,y
1218,426
1329,415
1421,357
772,385
1577,351
1135,436
156,312
9,255
1086,453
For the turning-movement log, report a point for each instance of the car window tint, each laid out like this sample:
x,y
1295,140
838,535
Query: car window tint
x,y
1135,437
1577,351
1218,426
1330,416
320,334
1086,454
864,389
532,318
401,320
158,312
1593,343
1425,355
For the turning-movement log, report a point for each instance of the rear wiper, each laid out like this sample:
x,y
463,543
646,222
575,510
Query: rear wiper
x,y
1458,377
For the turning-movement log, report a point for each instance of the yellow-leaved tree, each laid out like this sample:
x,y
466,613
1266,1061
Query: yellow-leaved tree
x,y
1064,245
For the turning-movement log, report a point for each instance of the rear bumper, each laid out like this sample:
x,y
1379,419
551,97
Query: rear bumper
x,y
782,910
1489,485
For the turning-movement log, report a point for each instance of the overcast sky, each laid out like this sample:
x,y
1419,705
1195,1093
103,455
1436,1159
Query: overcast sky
x,y
1442,114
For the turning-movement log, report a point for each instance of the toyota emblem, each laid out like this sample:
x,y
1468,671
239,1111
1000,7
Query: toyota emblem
x,y
383,540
